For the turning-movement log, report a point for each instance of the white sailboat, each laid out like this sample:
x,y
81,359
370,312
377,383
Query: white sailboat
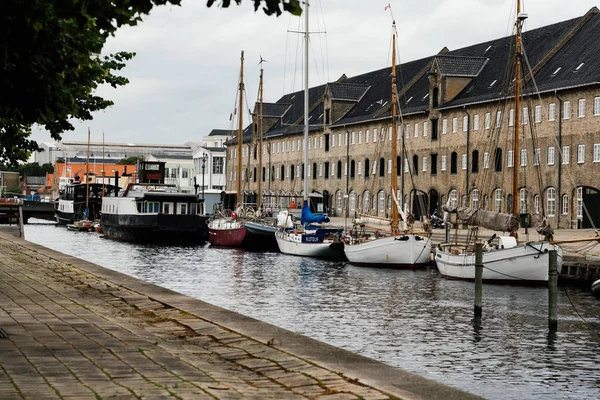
x,y
508,261
398,249
311,239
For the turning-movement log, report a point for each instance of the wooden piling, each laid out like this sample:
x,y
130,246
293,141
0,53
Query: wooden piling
x,y
553,290
21,227
478,278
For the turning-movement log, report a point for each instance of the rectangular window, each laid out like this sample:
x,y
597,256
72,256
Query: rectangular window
x,y
567,110
523,157
551,155
443,163
405,166
487,122
581,108
464,162
454,125
433,163
434,129
321,169
218,165
498,119
525,118
510,162
538,114
416,129
511,117
389,166
565,155
367,136
476,122
565,204
486,160
536,156
359,168
353,135
425,129
596,152
465,123
596,106
581,154
551,112
424,164
359,137
407,130
390,133
444,126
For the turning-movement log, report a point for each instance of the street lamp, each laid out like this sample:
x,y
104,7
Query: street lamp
x,y
204,158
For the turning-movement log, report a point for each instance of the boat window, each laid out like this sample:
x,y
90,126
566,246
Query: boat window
x,y
139,207
183,209
166,209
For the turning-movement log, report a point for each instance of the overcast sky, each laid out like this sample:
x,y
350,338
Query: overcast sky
x,y
183,80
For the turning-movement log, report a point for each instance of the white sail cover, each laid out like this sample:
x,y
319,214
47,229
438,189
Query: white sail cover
x,y
489,219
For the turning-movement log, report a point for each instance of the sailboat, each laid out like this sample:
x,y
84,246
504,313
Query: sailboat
x,y
399,249
507,261
229,230
311,239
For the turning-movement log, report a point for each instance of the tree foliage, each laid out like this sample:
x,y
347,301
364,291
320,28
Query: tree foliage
x,y
51,63
130,160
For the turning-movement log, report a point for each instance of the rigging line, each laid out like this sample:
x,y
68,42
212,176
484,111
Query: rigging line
x,y
577,311
324,32
501,273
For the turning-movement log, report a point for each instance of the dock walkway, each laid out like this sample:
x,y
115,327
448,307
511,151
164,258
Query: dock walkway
x,y
75,330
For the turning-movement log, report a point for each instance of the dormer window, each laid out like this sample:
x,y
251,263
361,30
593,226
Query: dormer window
x,y
578,67
556,72
409,99
488,48
425,97
493,83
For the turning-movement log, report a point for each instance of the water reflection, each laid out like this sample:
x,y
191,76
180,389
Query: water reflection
x,y
411,319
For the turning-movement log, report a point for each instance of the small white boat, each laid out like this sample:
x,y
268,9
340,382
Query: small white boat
x,y
398,251
321,242
525,263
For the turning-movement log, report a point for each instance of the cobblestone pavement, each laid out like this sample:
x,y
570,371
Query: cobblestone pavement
x,y
73,334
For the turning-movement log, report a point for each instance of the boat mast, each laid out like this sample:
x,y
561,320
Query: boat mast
x,y
260,137
103,166
394,177
516,155
306,102
240,132
87,176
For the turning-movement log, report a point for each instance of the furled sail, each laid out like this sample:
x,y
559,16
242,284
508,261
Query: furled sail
x,y
308,217
489,219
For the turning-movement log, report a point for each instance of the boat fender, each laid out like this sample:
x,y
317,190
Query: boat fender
x,y
233,215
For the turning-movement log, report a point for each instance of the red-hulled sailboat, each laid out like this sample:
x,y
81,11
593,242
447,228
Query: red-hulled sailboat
x,y
228,229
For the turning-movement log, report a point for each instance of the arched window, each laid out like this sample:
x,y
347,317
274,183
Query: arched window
x,y
292,172
475,161
352,168
381,166
498,200
338,202
509,200
453,197
453,162
282,172
415,165
551,202
254,175
523,200
536,204
398,165
366,202
475,199
381,205
434,97
367,167
272,173
498,160
565,204
339,170
302,171
352,201
314,170
263,173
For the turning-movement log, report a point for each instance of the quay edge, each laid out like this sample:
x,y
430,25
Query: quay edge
x,y
392,381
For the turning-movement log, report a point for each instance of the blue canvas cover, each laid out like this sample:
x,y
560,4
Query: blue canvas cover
x,y
308,217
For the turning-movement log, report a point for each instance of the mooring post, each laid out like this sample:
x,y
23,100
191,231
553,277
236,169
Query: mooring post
x,y
478,278
21,227
553,290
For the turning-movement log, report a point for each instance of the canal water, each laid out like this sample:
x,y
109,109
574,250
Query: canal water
x,y
415,320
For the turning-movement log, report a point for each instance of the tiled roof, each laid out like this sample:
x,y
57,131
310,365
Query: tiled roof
x,y
450,65
221,132
347,91
274,109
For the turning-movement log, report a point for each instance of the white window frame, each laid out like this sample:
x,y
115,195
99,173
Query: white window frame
x,y
581,108
552,112
596,106
444,126
425,129
567,110
551,155
498,200
538,114
464,162
511,117
580,153
465,124
475,199
498,118
424,164
454,124
525,116
487,120
416,129
523,159
537,156
566,154
579,202
596,152
476,122
510,161
486,160
443,168
551,202
536,204
565,205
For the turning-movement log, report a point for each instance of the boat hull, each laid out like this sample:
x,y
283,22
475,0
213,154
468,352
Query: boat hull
x,y
226,232
526,264
302,244
260,237
158,228
596,288
402,251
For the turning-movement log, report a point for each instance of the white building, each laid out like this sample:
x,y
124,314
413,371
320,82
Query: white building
x,y
209,166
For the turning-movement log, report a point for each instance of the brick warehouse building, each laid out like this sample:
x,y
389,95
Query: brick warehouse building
x,y
457,124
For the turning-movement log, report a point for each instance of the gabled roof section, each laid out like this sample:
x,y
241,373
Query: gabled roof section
x,y
347,91
275,110
459,66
